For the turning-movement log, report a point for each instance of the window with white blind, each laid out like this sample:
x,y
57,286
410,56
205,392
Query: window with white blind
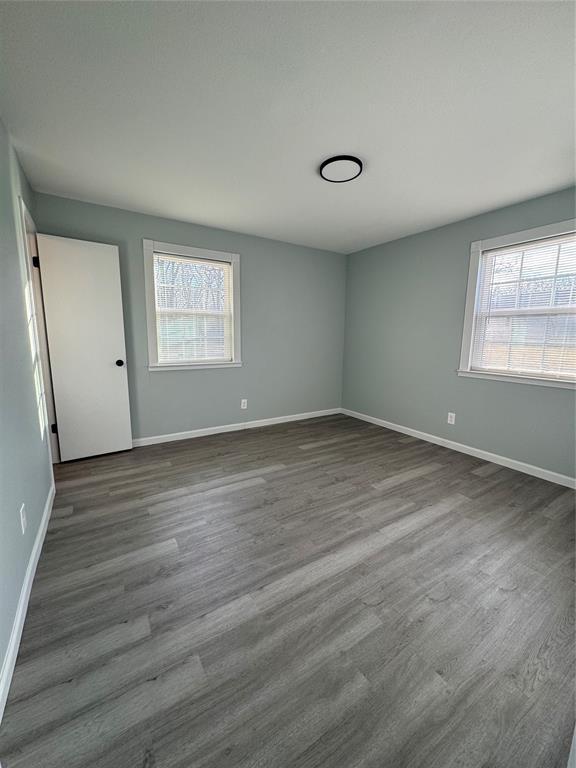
x,y
192,300
520,322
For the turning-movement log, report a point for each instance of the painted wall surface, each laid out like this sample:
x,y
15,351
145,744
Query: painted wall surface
x,y
292,305
25,469
405,314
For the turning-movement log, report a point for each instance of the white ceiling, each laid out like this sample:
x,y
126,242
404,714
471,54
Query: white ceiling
x,y
220,112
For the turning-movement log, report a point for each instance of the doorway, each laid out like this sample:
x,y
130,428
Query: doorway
x,y
85,329
37,333
76,328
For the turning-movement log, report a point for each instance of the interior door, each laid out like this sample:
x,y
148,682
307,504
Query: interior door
x,y
84,323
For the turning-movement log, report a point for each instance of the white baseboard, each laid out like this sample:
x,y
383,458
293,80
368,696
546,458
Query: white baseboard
x,y
520,466
18,625
140,441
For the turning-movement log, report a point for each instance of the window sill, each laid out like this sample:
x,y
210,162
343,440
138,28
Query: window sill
x,y
518,379
194,366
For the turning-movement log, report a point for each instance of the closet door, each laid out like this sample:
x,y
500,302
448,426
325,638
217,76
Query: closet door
x,y
85,328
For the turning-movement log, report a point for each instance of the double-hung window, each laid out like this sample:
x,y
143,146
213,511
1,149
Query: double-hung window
x,y
193,307
520,322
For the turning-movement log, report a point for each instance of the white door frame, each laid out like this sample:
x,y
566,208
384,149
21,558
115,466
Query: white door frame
x,y
34,279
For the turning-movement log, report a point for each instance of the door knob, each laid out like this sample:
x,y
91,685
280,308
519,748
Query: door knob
x,y
119,363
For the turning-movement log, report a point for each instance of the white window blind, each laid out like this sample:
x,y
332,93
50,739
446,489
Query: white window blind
x,y
524,319
194,310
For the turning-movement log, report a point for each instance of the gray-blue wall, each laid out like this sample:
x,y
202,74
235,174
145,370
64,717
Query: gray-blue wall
x,y
25,471
292,305
405,313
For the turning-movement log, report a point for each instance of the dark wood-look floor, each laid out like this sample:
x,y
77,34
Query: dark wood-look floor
x,y
322,593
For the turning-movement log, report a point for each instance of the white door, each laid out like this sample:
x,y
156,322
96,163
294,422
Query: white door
x,y
83,308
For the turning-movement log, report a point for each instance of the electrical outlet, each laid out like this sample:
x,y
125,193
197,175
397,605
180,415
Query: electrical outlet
x,y
244,404
23,522
451,418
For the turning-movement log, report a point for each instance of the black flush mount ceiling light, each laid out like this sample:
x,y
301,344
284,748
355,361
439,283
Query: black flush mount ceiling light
x,y
340,168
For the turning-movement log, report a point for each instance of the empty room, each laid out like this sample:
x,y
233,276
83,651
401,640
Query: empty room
x,y
287,384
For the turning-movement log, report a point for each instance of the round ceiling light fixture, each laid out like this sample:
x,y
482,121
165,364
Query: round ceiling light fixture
x,y
340,168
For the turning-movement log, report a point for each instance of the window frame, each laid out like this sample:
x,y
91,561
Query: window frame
x,y
476,250
150,247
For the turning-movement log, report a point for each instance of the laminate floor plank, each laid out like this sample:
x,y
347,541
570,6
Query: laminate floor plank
x,y
316,594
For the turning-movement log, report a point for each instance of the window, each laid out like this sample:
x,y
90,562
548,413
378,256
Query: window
x,y
520,322
192,302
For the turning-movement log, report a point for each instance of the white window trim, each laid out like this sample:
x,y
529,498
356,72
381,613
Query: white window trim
x,y
476,249
152,246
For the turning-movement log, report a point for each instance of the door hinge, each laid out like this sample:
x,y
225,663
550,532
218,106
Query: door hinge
x,y
36,262
54,429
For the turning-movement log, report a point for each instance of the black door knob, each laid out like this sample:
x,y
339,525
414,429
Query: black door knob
x,y
119,363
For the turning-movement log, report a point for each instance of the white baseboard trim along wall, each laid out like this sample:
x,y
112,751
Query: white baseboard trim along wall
x,y
139,441
520,466
18,625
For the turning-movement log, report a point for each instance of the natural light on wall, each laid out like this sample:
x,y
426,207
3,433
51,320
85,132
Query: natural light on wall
x,y
36,363
525,310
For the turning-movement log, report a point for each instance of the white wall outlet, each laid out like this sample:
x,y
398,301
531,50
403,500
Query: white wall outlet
x,y
23,522
243,404
451,418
